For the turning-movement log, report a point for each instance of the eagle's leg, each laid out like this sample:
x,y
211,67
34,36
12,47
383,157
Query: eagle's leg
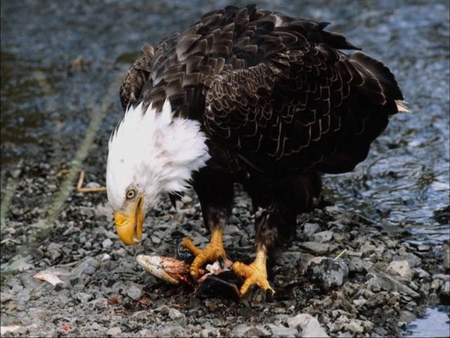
x,y
279,204
256,272
215,192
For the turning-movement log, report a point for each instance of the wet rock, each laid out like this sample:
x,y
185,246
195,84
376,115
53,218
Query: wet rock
x,y
282,331
177,317
444,294
107,243
355,265
114,331
328,273
382,281
446,256
322,237
244,330
367,249
87,267
28,281
308,325
134,291
406,316
310,228
84,297
400,270
423,248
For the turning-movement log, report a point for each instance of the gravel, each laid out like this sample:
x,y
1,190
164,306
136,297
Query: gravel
x,y
378,285
341,275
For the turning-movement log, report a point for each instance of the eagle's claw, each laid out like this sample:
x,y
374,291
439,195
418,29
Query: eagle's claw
x,y
212,252
255,273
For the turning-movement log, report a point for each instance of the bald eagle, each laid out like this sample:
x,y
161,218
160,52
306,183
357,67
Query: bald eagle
x,y
248,96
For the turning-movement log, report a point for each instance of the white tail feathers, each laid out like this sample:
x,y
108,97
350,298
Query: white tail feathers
x,y
402,106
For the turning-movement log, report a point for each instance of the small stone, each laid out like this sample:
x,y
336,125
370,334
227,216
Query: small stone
x,y
421,273
367,249
356,265
444,295
53,254
446,258
244,330
172,330
107,243
87,267
436,284
84,297
406,316
93,185
282,331
322,237
309,325
28,281
359,302
114,331
134,291
400,270
186,199
177,316
155,239
310,228
328,273
423,248
354,327
316,247
6,297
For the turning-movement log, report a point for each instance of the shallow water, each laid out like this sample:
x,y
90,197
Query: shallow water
x,y
58,63
435,323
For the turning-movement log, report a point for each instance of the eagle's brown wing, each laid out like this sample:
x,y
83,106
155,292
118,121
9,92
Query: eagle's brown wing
x,y
307,106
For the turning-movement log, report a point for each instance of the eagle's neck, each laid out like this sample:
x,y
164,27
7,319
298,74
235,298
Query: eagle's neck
x,y
157,151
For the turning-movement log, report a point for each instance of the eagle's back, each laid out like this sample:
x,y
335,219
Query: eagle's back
x,y
269,89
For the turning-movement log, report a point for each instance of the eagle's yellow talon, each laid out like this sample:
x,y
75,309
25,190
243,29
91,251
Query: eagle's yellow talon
x,y
255,273
211,253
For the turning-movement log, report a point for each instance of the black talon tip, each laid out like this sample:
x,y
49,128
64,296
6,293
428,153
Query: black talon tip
x,y
221,262
269,295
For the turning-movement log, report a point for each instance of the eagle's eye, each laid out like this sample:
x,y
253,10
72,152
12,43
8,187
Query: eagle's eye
x,y
131,193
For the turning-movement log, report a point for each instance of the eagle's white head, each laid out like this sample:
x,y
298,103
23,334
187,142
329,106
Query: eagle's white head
x,y
150,153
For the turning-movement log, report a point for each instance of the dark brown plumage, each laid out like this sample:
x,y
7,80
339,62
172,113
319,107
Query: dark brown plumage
x,y
279,102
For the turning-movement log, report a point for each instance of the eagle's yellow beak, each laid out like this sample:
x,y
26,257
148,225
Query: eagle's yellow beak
x,y
129,222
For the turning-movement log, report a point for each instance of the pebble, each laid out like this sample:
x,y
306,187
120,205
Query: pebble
x,y
177,317
309,325
400,270
84,297
107,243
328,273
315,247
244,330
310,228
171,330
423,248
446,256
322,237
282,331
134,291
445,293
88,266
114,331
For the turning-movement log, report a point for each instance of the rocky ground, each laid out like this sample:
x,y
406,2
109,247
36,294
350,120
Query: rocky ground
x,y
380,282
